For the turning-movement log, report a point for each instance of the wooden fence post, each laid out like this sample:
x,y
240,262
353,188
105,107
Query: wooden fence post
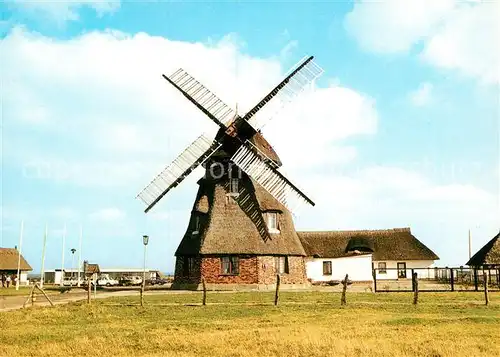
x,y
142,295
89,290
344,289
415,288
452,278
277,294
204,291
486,298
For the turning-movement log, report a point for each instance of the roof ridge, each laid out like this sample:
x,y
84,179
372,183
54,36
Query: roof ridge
x,y
386,230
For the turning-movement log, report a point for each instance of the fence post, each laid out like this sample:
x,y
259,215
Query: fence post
x,y
476,287
413,280
89,290
277,294
486,298
204,291
452,280
415,288
374,280
344,289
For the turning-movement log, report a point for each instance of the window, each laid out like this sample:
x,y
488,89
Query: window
x,y
282,265
402,270
327,268
187,266
229,265
196,228
272,222
233,186
382,268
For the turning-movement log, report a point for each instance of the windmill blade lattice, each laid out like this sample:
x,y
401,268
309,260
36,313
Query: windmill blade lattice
x,y
193,156
250,160
296,80
205,100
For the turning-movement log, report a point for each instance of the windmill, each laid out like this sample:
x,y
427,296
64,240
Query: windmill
x,y
234,138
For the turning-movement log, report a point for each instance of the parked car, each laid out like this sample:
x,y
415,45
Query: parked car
x,y
130,280
105,280
157,281
72,282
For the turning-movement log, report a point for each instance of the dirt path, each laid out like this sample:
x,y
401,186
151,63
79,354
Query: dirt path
x,y
16,302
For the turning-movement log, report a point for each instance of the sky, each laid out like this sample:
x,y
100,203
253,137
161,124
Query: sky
x,y
401,130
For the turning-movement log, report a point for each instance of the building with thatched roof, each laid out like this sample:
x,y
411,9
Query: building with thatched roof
x,y
488,257
392,252
9,259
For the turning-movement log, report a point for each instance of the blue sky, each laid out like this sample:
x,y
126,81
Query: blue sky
x,y
401,130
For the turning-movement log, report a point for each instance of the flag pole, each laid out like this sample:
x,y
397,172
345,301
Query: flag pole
x,y
62,259
42,272
80,254
19,255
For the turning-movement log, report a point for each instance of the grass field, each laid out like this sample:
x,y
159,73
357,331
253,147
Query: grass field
x,y
247,324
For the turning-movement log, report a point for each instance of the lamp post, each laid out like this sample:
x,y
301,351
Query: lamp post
x,y
145,240
72,250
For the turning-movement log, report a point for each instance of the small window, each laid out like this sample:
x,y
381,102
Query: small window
x,y
229,266
233,186
282,265
272,222
382,268
196,228
327,268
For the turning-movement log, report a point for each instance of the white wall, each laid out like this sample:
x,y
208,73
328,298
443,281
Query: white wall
x,y
392,265
359,268
23,278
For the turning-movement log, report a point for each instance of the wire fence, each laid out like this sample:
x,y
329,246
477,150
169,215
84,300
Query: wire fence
x,y
435,279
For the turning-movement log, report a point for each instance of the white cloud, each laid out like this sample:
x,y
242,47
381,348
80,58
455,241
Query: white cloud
x,y
107,214
457,35
124,122
422,96
62,11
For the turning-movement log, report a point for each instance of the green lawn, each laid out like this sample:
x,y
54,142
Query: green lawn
x,y
247,324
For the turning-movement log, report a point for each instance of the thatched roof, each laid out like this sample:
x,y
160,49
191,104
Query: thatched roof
x,y
9,258
232,225
487,255
386,244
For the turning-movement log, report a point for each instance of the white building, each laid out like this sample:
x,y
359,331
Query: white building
x,y
54,276
390,254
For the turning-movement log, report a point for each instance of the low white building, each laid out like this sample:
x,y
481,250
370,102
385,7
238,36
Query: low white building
x,y
54,276
390,254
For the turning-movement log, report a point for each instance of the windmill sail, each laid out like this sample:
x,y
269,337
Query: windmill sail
x,y
255,165
194,155
200,96
297,79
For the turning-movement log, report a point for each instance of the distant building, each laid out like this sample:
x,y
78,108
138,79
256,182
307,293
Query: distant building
x,y
392,252
488,257
9,258
54,276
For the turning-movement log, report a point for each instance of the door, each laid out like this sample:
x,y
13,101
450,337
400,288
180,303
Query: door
x,y
401,270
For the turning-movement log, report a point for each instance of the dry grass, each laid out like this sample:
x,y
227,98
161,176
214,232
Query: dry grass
x,y
246,324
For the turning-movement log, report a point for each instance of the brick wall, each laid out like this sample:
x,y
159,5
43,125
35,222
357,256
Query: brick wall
x,y
268,271
252,270
211,270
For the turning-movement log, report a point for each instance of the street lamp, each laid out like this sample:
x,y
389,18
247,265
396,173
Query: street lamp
x,y
73,250
145,240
